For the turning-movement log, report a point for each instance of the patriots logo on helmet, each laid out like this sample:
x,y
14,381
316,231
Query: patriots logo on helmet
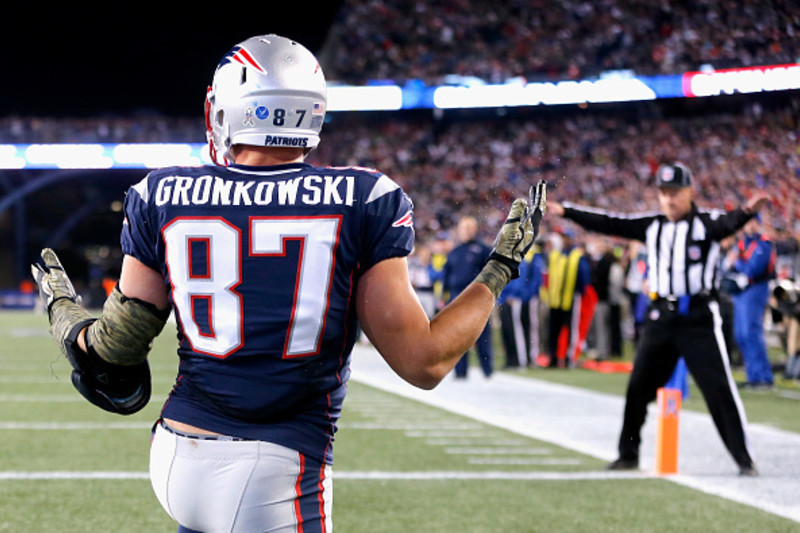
x,y
243,57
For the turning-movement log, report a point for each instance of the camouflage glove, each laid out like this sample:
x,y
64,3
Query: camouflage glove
x,y
514,240
56,291
510,246
52,280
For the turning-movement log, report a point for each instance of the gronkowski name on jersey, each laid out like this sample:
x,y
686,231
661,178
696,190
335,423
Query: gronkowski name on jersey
x,y
261,264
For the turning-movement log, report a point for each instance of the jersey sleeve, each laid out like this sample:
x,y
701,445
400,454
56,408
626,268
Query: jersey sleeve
x,y
138,237
389,223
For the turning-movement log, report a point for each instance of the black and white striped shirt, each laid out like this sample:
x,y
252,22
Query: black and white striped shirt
x,y
682,256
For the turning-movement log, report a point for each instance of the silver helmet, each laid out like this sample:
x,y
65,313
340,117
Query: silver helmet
x,y
267,91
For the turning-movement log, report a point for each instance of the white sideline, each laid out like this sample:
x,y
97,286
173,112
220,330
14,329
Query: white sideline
x,y
589,422
355,475
62,426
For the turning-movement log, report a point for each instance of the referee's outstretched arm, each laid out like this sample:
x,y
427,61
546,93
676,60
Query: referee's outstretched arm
x,y
634,226
599,221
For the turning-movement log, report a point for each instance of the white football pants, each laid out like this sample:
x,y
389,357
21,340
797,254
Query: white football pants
x,y
216,485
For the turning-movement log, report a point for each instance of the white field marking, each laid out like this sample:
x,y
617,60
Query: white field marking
x,y
34,379
522,461
58,379
450,433
405,427
484,441
395,408
521,476
377,407
497,451
355,475
15,366
790,395
376,401
368,398
53,398
72,475
41,398
411,420
402,414
62,426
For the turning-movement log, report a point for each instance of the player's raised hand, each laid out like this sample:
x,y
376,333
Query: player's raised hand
x,y
53,282
510,246
515,237
537,205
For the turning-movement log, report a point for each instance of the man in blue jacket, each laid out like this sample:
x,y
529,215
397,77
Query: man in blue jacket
x,y
754,268
462,262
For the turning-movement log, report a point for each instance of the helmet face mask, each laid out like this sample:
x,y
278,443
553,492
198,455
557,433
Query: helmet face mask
x,y
267,91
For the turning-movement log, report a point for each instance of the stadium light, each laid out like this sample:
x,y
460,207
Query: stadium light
x,y
94,156
67,156
532,94
369,98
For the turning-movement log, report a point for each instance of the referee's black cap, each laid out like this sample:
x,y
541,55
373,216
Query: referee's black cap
x,y
674,175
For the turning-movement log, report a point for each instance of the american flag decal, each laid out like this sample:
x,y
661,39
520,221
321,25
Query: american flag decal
x,y
319,108
406,221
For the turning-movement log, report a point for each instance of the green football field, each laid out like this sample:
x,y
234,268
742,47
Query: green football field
x,y
400,465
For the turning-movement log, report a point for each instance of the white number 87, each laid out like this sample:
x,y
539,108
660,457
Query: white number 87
x,y
215,284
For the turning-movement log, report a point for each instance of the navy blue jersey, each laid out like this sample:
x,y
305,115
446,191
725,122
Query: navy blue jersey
x,y
262,264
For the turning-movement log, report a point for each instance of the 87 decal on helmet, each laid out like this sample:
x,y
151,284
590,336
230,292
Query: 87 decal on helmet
x,y
266,91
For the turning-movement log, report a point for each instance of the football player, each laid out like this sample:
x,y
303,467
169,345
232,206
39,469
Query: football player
x,y
268,263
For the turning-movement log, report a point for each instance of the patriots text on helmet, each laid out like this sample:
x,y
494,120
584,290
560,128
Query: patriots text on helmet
x,y
278,140
213,190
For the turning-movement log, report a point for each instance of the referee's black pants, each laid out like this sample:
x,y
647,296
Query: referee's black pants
x,y
696,334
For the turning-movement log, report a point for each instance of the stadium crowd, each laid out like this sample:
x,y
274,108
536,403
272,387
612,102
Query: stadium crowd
x,y
137,128
474,163
533,39
606,159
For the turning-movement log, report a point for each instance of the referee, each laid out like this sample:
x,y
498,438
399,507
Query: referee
x,y
683,251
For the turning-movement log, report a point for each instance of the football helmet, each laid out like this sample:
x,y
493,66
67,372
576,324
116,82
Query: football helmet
x,y
267,91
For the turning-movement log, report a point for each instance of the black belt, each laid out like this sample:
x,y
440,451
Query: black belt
x,y
680,303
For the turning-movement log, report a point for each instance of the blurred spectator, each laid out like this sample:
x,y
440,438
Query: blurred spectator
x,y
752,271
727,290
490,41
511,327
635,287
607,279
568,277
532,272
464,262
785,302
